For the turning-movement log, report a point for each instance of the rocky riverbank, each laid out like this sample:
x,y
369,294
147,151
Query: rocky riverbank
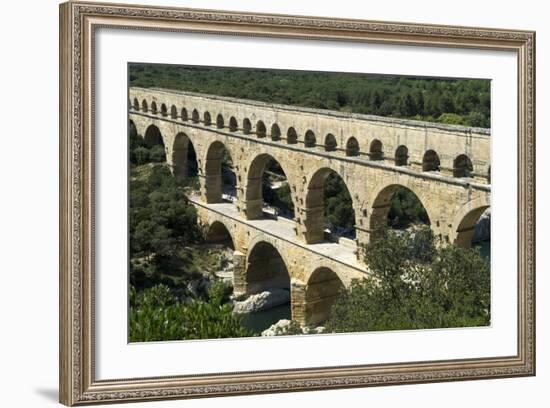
x,y
289,327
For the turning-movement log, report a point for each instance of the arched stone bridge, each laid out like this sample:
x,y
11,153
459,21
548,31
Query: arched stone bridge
x,y
447,167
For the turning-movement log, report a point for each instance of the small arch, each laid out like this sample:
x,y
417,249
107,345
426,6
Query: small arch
x,y
233,124
219,121
184,115
144,106
163,110
375,150
173,112
462,166
430,161
195,116
291,136
322,290
330,143
310,140
207,119
401,156
260,129
136,104
489,174
275,132
247,126
352,147
154,108
266,269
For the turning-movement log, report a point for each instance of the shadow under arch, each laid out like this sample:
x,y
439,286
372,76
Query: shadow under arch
x,y
153,136
352,147
266,268
219,233
184,159
430,161
462,166
219,175
256,187
322,290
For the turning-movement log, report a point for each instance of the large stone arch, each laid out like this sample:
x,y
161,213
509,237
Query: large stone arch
x,y
253,192
321,291
381,204
153,136
314,203
266,266
213,182
219,232
465,220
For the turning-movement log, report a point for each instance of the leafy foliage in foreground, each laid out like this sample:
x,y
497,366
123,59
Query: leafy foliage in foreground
x,y
157,315
416,285
161,218
453,101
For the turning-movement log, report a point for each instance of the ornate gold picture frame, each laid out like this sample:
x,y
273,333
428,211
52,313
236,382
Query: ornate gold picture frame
x,y
78,24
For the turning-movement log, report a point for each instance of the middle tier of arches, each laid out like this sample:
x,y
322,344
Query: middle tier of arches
x,y
368,187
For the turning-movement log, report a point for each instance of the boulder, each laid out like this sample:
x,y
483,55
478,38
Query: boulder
x,y
262,301
277,327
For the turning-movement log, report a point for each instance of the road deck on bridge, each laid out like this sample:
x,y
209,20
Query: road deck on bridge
x,y
284,229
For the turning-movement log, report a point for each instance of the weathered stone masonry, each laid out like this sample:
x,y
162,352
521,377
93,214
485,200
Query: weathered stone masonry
x,y
447,167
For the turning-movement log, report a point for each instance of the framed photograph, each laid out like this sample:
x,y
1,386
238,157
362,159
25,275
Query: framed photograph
x,y
256,203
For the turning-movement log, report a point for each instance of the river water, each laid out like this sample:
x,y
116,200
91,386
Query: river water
x,y
485,248
259,321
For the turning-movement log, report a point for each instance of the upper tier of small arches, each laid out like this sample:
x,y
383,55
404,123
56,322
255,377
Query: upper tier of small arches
x,y
461,165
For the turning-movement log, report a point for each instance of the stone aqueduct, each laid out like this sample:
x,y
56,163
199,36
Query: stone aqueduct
x,y
447,167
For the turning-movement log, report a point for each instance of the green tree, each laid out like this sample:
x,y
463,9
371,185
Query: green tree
x,y
451,119
156,315
407,105
415,285
161,218
157,154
